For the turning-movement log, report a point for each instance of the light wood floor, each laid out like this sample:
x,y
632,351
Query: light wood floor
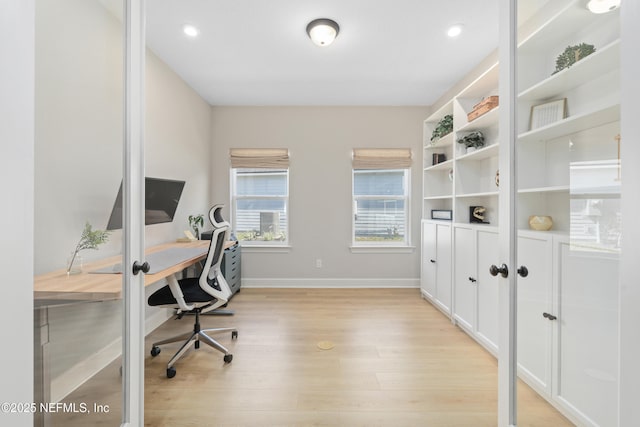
x,y
397,361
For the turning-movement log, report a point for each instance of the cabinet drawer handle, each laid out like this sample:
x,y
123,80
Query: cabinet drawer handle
x,y
472,280
523,271
549,316
433,261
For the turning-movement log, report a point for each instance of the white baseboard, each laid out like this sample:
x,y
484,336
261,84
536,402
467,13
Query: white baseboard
x,y
73,378
330,283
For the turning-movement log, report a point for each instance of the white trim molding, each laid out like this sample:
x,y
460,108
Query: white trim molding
x,y
331,283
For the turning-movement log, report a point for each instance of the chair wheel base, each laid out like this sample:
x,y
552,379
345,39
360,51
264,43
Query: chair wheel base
x,y
155,350
228,358
234,335
171,372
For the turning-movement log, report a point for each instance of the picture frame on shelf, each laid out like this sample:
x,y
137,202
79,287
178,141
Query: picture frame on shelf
x,y
547,113
442,214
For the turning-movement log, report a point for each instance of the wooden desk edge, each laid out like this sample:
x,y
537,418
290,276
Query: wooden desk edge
x,y
98,287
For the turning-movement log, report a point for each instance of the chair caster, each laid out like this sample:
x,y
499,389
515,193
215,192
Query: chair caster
x,y
196,344
171,372
234,335
227,358
155,350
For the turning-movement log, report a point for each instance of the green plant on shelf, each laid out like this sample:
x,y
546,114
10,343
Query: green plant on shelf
x,y
474,139
573,54
444,127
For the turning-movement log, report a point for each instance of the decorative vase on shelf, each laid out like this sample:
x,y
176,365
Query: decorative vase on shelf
x,y
471,149
540,222
74,263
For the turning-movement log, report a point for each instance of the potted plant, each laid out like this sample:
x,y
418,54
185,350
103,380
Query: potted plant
x,y
472,141
89,239
444,127
195,222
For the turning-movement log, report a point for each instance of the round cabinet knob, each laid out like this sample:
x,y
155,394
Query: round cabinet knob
x,y
502,270
523,271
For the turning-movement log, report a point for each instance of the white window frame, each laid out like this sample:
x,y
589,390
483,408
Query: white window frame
x,y
234,205
406,242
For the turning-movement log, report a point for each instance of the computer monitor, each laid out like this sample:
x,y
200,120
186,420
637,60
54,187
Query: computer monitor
x,y
161,201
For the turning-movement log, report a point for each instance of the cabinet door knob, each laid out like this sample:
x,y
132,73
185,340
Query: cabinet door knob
x,y
549,316
503,270
433,261
472,280
523,271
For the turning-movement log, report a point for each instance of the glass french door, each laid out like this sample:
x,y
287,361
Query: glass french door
x,y
560,211
88,346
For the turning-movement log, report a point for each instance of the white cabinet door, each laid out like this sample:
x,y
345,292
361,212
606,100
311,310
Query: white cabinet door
x,y
436,264
487,327
443,267
464,278
428,279
587,333
535,313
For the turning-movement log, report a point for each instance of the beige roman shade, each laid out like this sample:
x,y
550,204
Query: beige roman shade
x,y
271,158
381,158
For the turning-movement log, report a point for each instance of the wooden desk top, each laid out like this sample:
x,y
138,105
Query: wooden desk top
x,y
87,286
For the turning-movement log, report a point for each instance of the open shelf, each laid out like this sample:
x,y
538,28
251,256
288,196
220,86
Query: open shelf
x,y
573,124
593,66
553,189
481,154
445,141
488,119
440,166
482,194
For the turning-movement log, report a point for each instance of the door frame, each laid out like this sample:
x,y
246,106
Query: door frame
x,y
133,331
507,227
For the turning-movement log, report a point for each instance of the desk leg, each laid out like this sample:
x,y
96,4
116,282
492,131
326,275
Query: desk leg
x,y
41,371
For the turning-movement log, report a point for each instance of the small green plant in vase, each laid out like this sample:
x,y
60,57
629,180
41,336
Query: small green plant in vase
x,y
472,140
89,239
195,222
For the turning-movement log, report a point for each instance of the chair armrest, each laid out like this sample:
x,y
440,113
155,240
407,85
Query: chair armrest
x,y
176,291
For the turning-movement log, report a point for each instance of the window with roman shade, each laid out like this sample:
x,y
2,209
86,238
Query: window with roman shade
x,y
260,195
381,196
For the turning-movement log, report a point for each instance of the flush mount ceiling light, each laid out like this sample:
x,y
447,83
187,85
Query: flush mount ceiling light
x,y
603,6
190,30
454,30
323,31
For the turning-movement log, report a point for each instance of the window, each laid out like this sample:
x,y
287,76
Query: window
x,y
381,197
260,196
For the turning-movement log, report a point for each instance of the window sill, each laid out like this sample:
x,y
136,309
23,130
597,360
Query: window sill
x,y
382,249
255,248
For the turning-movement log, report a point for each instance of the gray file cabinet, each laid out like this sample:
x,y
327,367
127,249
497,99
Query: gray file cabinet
x,y
230,267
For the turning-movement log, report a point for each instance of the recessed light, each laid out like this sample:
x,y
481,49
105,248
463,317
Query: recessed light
x,y
603,6
454,30
190,30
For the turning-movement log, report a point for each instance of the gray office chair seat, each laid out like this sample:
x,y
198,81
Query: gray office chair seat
x,y
196,295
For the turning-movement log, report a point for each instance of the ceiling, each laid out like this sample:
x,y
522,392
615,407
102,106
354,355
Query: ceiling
x,y
388,52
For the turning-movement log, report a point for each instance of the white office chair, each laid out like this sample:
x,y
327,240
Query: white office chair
x,y
198,295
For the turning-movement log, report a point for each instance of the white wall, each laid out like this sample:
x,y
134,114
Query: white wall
x,y
78,158
320,141
16,215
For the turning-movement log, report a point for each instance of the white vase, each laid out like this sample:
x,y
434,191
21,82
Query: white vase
x,y
471,149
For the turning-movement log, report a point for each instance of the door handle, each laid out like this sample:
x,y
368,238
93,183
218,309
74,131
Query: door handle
x,y
503,270
137,267
523,271
472,280
549,316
